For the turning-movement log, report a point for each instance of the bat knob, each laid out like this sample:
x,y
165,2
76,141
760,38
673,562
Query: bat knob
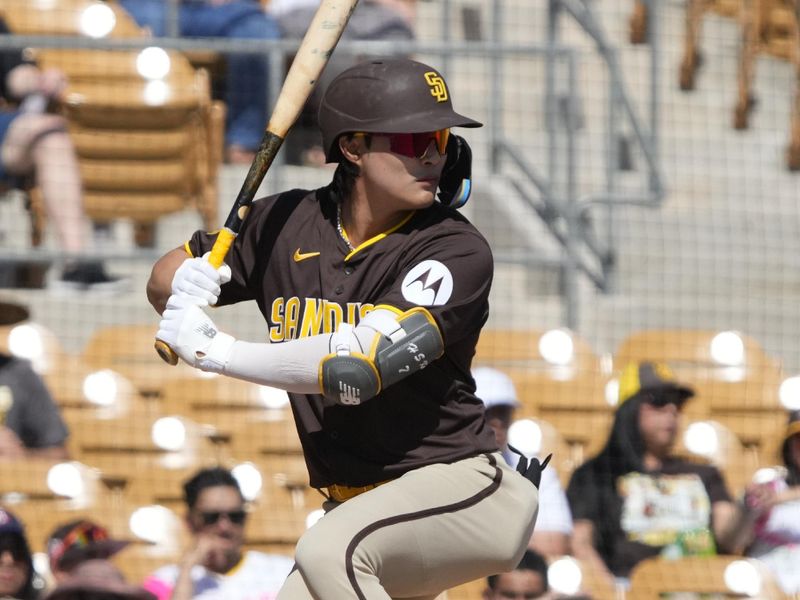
x,y
166,353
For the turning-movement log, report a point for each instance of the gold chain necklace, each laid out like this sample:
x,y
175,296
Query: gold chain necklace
x,y
339,227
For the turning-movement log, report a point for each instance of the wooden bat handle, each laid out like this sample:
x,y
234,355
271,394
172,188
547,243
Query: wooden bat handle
x,y
316,48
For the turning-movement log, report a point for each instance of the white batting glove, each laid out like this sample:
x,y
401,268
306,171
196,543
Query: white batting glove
x,y
192,334
197,279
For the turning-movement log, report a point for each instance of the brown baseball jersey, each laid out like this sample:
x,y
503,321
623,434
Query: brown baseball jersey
x,y
290,259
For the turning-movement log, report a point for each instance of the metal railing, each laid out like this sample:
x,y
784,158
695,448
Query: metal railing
x,y
586,251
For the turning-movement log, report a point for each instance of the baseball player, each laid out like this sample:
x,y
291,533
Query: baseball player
x,y
374,294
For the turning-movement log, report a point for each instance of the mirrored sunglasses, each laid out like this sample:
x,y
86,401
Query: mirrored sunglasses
x,y
415,145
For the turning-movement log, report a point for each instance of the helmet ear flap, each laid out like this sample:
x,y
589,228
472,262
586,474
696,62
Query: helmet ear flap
x,y
455,183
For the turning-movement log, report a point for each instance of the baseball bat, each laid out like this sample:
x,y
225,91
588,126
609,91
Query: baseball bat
x,y
315,49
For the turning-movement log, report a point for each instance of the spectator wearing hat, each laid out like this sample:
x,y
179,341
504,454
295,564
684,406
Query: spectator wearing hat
x,y
771,531
214,567
75,542
30,422
635,500
17,576
97,579
551,534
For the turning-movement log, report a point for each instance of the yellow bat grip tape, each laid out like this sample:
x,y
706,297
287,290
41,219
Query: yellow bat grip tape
x,y
221,246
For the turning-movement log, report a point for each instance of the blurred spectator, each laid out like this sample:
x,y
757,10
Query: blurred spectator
x,y
17,577
371,20
214,567
30,423
74,543
247,74
554,522
97,579
772,524
635,500
34,142
527,581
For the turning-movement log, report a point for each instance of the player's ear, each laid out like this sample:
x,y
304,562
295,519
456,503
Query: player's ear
x,y
351,147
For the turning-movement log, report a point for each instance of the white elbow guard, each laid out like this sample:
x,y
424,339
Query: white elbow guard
x,y
400,347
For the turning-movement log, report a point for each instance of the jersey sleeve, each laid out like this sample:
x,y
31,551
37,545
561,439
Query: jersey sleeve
x,y
715,485
450,274
582,495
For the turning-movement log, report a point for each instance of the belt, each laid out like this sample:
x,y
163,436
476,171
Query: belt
x,y
341,493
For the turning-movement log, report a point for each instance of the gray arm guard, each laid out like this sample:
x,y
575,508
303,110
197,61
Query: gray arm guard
x,y
401,346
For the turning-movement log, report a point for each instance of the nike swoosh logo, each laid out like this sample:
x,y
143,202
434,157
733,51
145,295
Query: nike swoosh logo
x,y
299,256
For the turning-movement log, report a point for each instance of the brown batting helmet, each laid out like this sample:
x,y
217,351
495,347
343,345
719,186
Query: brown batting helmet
x,y
394,95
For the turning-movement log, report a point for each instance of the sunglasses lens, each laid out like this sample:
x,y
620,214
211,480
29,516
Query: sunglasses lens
x,y
237,517
414,145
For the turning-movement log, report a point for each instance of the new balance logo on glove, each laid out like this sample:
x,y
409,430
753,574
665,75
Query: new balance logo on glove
x,y
207,330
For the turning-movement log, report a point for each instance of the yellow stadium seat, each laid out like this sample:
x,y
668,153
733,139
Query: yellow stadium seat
x,y
124,447
512,348
147,145
741,391
68,18
223,400
539,437
725,576
255,440
711,442
35,342
128,350
57,483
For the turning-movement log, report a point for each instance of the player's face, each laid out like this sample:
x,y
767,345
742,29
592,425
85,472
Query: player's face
x,y
517,585
396,181
219,514
658,423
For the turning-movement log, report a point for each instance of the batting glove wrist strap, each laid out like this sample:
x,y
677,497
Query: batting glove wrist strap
x,y
194,336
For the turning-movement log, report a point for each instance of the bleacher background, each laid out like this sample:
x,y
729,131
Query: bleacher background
x,y
715,252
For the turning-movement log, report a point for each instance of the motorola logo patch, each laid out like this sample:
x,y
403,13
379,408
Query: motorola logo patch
x,y
430,283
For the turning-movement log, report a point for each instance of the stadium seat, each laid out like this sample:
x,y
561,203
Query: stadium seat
x,y
537,436
126,447
128,350
768,27
725,576
576,407
546,366
223,401
735,380
695,11
80,391
56,483
68,18
148,144
35,342
276,526
254,440
711,442
555,350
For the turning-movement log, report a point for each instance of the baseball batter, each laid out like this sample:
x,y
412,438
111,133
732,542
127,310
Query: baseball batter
x,y
374,294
